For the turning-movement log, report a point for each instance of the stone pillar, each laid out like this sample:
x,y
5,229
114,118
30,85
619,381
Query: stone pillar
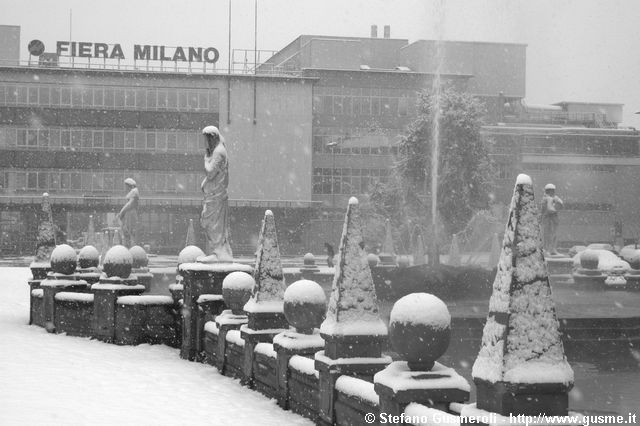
x,y
353,331
106,293
521,367
265,309
419,329
115,282
52,286
387,254
61,278
199,279
305,306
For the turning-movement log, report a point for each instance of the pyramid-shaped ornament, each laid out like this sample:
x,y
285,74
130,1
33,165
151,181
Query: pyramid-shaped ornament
x,y
353,306
521,367
268,292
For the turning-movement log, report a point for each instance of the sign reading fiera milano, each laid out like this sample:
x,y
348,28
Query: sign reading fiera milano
x,y
141,52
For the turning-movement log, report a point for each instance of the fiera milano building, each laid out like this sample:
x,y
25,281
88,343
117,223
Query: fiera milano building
x,y
310,126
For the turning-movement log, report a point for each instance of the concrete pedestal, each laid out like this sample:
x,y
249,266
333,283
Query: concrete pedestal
x,y
50,288
200,279
286,345
398,386
106,293
261,334
330,369
225,322
526,399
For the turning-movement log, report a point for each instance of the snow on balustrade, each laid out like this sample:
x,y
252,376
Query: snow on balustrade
x,y
358,388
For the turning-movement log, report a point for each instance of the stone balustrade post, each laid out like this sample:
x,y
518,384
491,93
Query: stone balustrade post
x,y
353,331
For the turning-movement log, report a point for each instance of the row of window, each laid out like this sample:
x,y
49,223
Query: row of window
x,y
580,145
100,139
110,97
112,182
363,106
346,181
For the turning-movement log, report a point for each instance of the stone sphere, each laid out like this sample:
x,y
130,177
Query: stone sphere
x,y
89,257
305,305
140,259
634,259
117,262
189,254
420,329
404,261
236,290
309,259
373,260
63,259
589,259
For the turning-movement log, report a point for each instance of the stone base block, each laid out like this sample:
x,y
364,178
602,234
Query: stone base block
x,y
527,399
364,346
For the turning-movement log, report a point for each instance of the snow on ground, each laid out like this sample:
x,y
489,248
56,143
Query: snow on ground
x,y
50,379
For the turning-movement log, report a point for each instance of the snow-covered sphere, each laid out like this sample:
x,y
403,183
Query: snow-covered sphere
x,y
420,329
63,259
236,290
89,257
305,305
189,254
140,259
589,259
117,262
373,260
309,259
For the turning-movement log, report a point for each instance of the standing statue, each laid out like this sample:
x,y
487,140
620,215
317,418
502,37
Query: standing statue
x,y
215,208
551,205
128,215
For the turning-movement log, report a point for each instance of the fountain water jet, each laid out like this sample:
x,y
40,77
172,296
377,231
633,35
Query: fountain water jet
x,y
434,255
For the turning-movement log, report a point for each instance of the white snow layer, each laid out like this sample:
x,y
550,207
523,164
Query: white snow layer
x,y
358,388
431,416
421,308
118,255
238,280
83,381
305,291
63,253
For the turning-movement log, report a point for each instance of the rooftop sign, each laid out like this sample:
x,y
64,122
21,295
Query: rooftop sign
x,y
141,52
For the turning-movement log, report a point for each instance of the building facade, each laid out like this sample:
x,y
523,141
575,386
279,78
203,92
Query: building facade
x,y
316,123
78,133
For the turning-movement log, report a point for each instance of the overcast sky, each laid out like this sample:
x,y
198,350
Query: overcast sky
x,y
578,50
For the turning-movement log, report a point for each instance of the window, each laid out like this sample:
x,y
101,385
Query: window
x,y
119,98
109,97
162,99
172,99
43,138
76,96
87,97
151,99
22,94
98,97
33,95
130,98
55,96
45,96
129,140
32,138
140,140
151,140
98,140
65,96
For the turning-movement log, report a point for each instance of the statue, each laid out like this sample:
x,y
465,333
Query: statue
x,y
215,208
128,215
551,205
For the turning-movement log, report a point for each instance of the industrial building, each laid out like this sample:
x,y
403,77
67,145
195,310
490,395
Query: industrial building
x,y
314,124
